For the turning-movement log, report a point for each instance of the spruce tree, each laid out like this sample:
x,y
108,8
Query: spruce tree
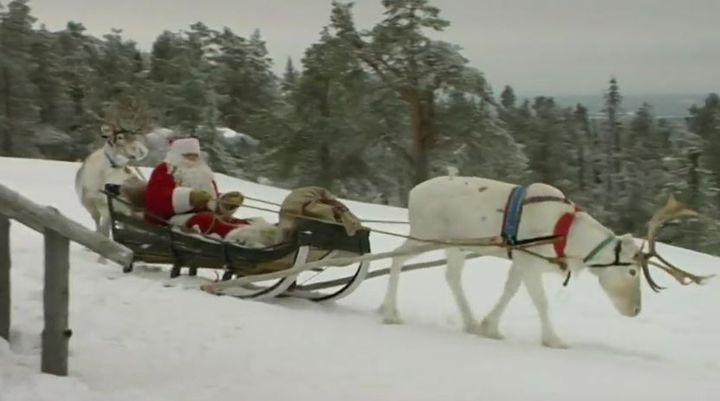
x,y
17,92
415,66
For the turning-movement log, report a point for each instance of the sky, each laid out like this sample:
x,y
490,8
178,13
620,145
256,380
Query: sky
x,y
549,47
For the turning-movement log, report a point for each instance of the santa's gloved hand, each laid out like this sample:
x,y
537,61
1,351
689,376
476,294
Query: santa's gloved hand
x,y
232,199
199,199
229,202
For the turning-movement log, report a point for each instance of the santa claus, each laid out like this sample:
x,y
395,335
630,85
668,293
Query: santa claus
x,y
182,191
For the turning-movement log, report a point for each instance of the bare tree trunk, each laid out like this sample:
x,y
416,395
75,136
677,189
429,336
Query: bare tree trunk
x,y
7,138
325,158
581,163
422,111
326,172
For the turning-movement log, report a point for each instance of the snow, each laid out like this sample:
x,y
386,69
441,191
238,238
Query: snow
x,y
229,133
135,338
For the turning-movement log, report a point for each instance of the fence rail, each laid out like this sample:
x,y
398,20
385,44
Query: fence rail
x,y
58,231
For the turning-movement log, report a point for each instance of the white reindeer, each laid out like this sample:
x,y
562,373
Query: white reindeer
x,y
455,208
107,165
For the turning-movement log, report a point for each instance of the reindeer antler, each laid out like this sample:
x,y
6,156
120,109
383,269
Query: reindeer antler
x,y
126,115
672,210
137,115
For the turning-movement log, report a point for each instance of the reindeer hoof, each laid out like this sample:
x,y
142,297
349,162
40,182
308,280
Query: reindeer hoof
x,y
392,320
486,329
554,343
390,315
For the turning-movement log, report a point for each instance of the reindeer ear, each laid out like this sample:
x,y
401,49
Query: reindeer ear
x,y
106,130
627,240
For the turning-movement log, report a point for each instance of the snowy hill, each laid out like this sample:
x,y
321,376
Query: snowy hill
x,y
135,339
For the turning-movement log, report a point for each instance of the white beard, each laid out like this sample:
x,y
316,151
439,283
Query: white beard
x,y
196,175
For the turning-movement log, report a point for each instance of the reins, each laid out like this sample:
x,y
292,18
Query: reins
x,y
497,241
483,242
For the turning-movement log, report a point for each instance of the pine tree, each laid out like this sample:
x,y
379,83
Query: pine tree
x,y
705,121
46,77
245,82
643,174
508,97
117,67
409,62
290,78
613,134
17,93
476,142
694,184
325,99
583,144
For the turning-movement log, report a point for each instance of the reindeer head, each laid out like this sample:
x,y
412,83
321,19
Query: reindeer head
x,y
125,143
609,257
618,262
124,128
618,274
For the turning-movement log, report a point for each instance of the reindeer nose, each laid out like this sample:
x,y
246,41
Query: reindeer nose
x,y
636,311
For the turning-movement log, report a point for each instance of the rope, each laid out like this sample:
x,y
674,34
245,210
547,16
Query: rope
x,y
263,201
492,241
477,242
385,221
139,173
280,205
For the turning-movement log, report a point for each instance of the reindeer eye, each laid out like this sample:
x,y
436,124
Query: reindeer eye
x,y
119,137
633,272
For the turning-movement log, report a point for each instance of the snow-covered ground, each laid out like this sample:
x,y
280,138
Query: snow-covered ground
x,y
136,339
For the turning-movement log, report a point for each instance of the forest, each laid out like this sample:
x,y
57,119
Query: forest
x,y
365,113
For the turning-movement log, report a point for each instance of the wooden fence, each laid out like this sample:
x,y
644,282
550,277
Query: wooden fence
x,y
58,231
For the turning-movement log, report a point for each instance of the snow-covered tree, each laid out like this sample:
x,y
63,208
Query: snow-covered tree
x,y
18,111
476,142
417,68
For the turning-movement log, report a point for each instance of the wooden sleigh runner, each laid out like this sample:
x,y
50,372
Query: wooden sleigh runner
x,y
279,268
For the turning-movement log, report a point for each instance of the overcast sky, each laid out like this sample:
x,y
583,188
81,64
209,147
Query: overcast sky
x,y
550,47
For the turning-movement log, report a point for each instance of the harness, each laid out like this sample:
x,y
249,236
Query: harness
x,y
513,214
115,165
111,141
112,161
511,223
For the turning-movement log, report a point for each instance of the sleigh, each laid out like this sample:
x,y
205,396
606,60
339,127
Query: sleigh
x,y
279,269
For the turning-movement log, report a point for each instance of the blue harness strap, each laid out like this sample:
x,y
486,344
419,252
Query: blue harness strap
x,y
511,218
513,212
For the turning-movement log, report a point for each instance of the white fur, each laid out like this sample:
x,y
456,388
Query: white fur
x,y
456,208
96,171
259,234
192,174
181,199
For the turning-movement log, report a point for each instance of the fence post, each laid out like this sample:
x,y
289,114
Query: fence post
x,y
56,333
5,277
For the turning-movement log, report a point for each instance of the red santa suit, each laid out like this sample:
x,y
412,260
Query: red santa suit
x,y
167,195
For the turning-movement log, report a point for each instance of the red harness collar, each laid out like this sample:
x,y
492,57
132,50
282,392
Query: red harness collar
x,y
562,229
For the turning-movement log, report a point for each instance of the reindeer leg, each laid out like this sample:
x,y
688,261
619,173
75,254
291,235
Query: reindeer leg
x,y
95,214
534,285
490,324
103,229
388,310
453,276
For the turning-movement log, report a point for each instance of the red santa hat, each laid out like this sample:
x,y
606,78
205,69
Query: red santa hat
x,y
183,146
